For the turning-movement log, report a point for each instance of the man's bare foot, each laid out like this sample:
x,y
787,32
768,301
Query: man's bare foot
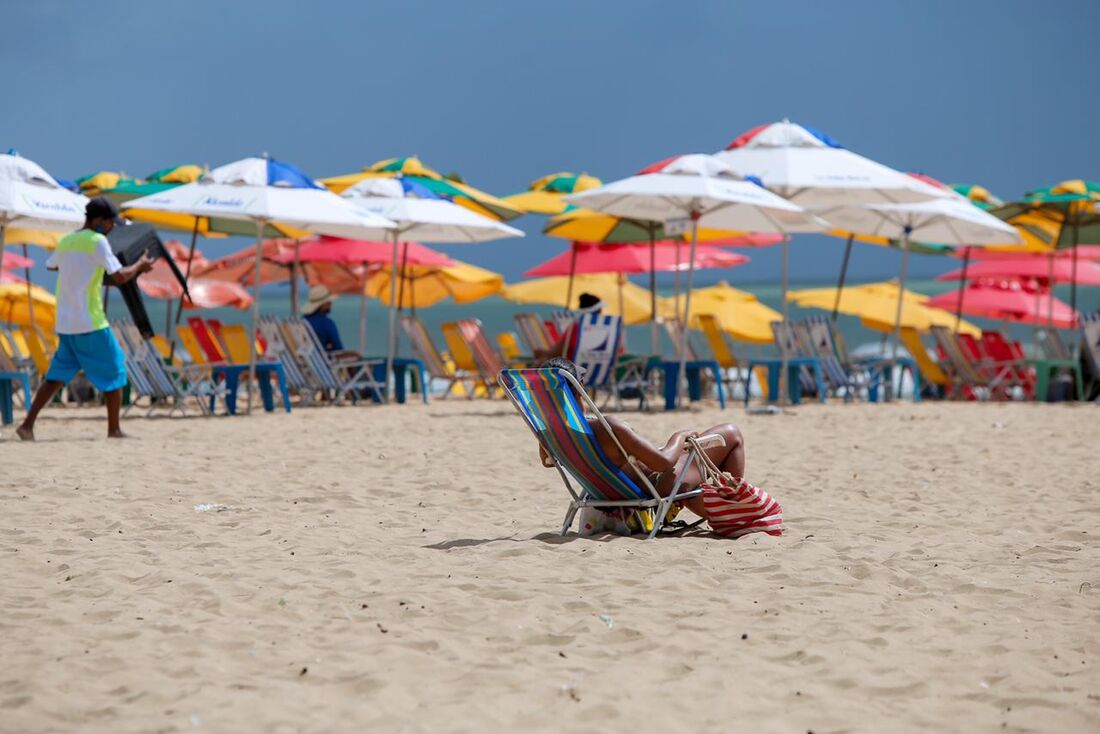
x,y
117,433
24,433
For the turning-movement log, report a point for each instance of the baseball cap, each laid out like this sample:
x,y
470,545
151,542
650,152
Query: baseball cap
x,y
101,208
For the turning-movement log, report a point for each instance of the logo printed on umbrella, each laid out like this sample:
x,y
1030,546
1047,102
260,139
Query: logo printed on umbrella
x,y
52,206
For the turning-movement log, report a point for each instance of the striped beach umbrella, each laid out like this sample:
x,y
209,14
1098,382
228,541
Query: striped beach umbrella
x,y
412,168
546,195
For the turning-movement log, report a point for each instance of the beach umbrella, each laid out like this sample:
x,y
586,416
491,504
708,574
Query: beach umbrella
x,y
354,260
260,192
587,257
950,221
547,194
30,199
411,168
19,301
1035,267
161,282
739,313
12,261
94,184
875,304
1061,216
977,195
1023,302
420,214
427,285
584,225
633,306
694,191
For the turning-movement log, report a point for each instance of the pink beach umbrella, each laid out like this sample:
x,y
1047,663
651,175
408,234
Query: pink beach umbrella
x,y
587,257
1008,300
1030,267
204,292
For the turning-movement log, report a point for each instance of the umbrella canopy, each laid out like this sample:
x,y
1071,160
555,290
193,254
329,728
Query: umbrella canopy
x,y
16,306
240,266
1009,300
1083,252
359,252
30,198
977,195
700,187
587,257
1035,267
160,282
11,261
606,286
583,225
875,304
96,183
815,171
740,314
410,167
547,194
1068,209
427,285
949,221
239,196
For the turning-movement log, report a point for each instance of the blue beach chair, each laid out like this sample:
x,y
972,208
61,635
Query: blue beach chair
x,y
548,401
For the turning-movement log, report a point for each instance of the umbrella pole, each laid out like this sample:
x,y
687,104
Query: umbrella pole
x,y
783,387
897,314
677,277
255,315
572,272
363,314
1072,281
3,231
681,379
294,270
401,283
962,290
170,335
1050,287
843,275
653,336
391,346
30,295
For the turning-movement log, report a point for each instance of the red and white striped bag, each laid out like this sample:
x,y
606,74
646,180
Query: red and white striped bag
x,y
735,507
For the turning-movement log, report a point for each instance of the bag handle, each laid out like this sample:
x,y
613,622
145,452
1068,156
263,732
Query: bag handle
x,y
708,470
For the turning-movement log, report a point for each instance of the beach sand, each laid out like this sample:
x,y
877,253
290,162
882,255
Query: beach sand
x,y
398,569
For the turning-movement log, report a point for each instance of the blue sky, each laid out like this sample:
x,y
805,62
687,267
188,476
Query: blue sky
x,y
995,93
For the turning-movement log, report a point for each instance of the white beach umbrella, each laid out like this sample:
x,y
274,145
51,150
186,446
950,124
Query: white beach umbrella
x,y
31,198
698,190
811,169
264,191
951,220
421,215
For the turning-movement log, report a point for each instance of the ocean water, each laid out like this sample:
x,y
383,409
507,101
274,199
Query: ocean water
x,y
496,315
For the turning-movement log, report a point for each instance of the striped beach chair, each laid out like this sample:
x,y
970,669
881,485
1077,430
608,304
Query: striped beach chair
x,y
553,405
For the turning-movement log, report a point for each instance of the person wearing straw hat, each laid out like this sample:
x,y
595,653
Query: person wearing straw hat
x,y
86,342
316,313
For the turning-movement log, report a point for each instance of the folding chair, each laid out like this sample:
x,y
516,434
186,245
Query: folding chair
x,y
533,332
343,378
554,405
473,356
594,345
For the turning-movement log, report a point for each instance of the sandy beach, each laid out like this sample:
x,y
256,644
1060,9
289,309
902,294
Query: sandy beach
x,y
397,569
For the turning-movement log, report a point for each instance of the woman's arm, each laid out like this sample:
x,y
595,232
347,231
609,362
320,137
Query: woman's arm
x,y
658,459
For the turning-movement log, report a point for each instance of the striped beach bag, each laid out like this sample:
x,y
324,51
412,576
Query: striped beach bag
x,y
735,507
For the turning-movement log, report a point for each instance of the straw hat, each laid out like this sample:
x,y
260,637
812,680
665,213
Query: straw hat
x,y
319,295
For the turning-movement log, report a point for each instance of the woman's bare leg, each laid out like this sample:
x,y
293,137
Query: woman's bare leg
x,y
729,458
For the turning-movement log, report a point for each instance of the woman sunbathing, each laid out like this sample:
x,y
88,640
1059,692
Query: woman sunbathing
x,y
661,464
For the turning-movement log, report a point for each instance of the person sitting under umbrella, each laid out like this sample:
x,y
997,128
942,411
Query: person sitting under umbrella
x,y
316,313
588,304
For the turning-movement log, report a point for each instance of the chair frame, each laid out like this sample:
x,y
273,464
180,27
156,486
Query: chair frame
x,y
648,497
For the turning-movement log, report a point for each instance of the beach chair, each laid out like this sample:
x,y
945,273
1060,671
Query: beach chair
x,y
233,368
1008,357
1000,377
931,372
509,347
1090,351
10,374
533,332
171,385
723,354
473,356
1053,357
554,405
277,349
437,364
967,381
343,379
843,379
697,366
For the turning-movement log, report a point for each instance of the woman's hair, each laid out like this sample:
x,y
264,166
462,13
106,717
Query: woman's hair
x,y
561,363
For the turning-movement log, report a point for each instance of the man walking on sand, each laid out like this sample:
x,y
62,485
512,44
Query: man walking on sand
x,y
86,340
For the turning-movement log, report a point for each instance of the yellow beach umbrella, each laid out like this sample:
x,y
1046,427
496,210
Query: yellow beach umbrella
x,y
876,303
43,238
546,195
15,306
739,313
426,285
611,288
584,225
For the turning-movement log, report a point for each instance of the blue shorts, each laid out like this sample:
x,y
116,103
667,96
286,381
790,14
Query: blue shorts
x,y
96,353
